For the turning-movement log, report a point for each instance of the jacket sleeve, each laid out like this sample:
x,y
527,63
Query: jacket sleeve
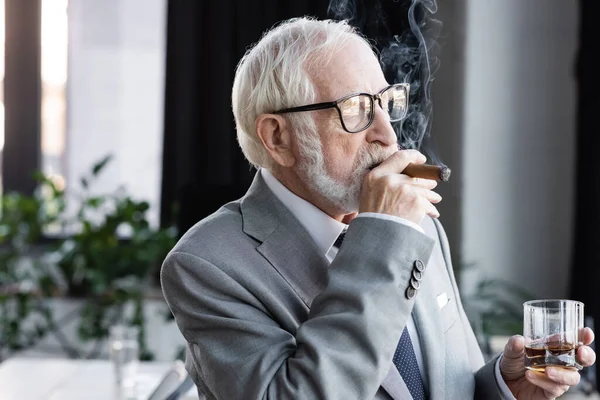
x,y
342,351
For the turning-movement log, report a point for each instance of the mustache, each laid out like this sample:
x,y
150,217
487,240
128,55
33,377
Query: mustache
x,y
374,155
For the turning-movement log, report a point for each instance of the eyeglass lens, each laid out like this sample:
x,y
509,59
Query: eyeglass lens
x,y
357,111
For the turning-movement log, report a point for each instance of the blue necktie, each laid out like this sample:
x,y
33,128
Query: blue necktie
x,y
406,362
404,357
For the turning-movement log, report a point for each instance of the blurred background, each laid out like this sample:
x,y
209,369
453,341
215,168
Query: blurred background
x,y
116,136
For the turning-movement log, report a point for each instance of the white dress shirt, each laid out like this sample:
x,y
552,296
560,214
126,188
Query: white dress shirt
x,y
324,230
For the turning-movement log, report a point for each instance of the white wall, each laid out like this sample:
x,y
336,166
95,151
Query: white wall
x,y
519,141
115,94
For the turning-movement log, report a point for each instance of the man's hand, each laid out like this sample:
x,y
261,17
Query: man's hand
x,y
539,385
386,190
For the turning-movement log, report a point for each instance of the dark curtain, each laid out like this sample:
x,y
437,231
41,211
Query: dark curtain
x,y
203,167
585,272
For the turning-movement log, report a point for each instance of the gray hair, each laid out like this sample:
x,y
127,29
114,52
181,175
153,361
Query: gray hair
x,y
273,75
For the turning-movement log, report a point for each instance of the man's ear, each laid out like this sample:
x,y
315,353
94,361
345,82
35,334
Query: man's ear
x,y
275,134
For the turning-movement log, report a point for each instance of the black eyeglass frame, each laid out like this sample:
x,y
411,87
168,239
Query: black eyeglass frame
x,y
335,104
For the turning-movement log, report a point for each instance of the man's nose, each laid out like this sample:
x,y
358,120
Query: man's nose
x,y
381,129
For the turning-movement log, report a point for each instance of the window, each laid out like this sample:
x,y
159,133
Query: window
x,y
115,95
53,96
102,84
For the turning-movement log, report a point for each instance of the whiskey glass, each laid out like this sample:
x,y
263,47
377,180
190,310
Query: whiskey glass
x,y
552,329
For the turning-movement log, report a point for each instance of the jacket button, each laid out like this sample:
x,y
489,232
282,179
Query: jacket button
x,y
418,275
415,283
419,265
410,292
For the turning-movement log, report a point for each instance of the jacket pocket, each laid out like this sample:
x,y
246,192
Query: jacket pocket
x,y
449,314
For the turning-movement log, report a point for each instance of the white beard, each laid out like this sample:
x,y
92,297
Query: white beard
x,y
343,194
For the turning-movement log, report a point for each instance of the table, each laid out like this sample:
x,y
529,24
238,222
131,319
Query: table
x,y
63,379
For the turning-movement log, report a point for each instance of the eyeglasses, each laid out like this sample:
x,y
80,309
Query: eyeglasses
x,y
357,110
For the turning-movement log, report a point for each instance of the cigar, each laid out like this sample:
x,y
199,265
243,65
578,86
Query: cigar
x,y
426,171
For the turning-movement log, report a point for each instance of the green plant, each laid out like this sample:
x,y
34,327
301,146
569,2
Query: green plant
x,y
493,306
24,280
106,255
497,305
99,263
98,256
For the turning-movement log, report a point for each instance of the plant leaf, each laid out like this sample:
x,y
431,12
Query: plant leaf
x,y
99,166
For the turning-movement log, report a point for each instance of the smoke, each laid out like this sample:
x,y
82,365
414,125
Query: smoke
x,y
363,14
342,9
405,34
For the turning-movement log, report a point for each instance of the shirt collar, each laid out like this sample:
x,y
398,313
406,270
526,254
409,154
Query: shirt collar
x,y
323,229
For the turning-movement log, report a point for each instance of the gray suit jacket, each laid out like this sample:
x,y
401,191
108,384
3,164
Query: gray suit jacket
x,y
267,317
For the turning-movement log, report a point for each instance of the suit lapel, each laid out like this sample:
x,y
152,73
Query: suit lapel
x,y
395,386
429,322
285,243
297,260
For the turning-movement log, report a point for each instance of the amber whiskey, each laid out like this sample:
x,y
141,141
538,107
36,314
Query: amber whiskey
x,y
558,354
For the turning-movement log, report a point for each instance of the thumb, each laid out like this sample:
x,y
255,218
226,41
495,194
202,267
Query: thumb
x,y
515,347
512,366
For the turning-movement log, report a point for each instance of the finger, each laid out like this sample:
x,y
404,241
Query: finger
x,y
551,389
429,195
398,161
432,211
563,376
421,182
429,208
586,336
586,356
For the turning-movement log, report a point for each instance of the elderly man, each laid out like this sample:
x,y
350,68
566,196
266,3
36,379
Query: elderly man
x,y
271,302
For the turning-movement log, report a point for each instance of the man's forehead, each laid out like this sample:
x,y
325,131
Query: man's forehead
x,y
351,68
